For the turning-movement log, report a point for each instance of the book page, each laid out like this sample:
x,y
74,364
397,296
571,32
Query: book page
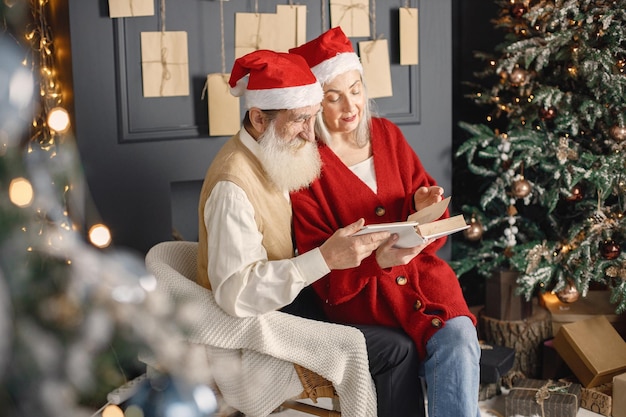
x,y
430,213
407,234
442,227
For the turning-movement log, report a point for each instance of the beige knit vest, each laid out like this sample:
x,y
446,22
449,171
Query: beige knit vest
x,y
272,212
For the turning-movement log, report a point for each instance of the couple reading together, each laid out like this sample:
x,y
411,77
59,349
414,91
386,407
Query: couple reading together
x,y
281,203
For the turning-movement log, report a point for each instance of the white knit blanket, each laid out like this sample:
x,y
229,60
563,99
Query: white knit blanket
x,y
253,357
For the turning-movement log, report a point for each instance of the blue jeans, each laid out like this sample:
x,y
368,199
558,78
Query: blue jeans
x,y
452,370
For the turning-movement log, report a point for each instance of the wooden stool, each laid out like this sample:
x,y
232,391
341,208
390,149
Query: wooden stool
x,y
525,336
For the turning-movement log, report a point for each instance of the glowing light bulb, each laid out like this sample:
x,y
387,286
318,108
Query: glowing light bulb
x,y
100,236
21,192
112,411
59,119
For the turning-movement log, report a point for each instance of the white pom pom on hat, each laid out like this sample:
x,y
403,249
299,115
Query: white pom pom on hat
x,y
329,55
274,81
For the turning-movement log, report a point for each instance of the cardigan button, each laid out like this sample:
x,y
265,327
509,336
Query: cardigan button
x,y
417,305
380,211
401,280
436,322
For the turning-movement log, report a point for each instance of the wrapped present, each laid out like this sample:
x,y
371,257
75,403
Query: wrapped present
x,y
501,300
553,366
597,399
593,350
619,395
495,362
544,398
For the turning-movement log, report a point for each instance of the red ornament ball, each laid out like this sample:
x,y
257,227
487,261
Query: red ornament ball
x,y
618,133
577,194
609,249
547,113
518,10
568,294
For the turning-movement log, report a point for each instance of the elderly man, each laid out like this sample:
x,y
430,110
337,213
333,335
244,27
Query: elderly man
x,y
246,251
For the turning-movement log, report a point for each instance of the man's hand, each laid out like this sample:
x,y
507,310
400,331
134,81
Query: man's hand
x,y
425,196
343,250
387,255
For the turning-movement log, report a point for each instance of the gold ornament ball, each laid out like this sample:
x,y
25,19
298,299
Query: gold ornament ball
x,y
518,76
568,294
618,133
521,188
475,231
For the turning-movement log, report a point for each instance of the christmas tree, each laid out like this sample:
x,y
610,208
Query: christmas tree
x,y
548,165
75,312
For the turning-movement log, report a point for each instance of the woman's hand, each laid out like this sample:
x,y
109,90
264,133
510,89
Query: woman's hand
x,y
425,196
387,255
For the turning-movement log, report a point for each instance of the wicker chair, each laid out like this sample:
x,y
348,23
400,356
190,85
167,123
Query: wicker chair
x,y
181,257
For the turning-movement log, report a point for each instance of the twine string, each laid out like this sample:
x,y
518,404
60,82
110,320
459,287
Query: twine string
x,y
349,8
132,9
165,72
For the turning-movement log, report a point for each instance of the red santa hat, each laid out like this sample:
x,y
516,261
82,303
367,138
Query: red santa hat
x,y
274,81
329,55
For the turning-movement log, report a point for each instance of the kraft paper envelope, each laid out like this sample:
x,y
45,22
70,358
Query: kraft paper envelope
x,y
352,15
131,8
409,41
254,31
292,24
224,115
376,69
164,64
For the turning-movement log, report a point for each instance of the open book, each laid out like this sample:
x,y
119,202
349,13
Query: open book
x,y
421,225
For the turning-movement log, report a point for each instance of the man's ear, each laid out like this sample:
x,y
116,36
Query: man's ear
x,y
257,119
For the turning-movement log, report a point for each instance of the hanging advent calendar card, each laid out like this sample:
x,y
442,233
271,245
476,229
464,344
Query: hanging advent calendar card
x,y
292,24
131,8
224,116
376,69
352,15
254,31
164,64
409,41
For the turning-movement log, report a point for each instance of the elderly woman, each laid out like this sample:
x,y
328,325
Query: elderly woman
x,y
370,171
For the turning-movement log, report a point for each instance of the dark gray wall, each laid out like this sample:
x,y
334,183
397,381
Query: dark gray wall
x,y
144,158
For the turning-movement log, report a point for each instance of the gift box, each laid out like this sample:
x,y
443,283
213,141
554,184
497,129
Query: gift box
x,y
619,395
552,365
501,301
545,398
598,399
592,349
595,303
495,362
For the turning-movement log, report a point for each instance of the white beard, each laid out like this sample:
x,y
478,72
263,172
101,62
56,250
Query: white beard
x,y
292,165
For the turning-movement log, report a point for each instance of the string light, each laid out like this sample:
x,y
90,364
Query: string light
x,y
100,236
21,192
59,120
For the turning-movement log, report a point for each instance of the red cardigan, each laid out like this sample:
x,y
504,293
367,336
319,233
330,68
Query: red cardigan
x,y
420,296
